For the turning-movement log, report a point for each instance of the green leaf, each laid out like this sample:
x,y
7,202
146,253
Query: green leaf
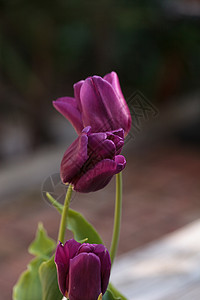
x,y
109,296
48,277
81,228
113,293
42,245
29,286
76,223
55,203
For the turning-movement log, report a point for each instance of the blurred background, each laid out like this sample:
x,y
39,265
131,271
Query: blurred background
x,y
45,47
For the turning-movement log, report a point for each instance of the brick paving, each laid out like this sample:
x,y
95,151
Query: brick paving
x,y
161,194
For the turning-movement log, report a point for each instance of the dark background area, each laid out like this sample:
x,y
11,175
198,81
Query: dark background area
x,y
154,47
47,46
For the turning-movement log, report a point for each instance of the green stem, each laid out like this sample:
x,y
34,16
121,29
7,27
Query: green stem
x,y
63,220
117,218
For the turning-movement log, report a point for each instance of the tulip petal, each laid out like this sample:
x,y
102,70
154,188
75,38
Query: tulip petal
x,y
62,258
118,106
113,79
77,88
104,256
93,111
62,264
102,108
85,247
71,247
100,147
74,158
119,132
84,277
117,136
68,107
121,163
100,175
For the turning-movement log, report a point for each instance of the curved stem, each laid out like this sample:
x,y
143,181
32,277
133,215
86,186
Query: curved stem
x,y
117,218
63,220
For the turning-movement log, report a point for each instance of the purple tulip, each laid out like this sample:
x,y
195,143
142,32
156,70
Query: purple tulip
x,y
92,159
83,270
99,103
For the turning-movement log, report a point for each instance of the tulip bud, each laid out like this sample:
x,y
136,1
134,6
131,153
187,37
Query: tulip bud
x,y
83,270
99,103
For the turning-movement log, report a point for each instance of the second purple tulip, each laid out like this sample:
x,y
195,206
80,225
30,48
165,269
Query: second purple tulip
x,y
92,160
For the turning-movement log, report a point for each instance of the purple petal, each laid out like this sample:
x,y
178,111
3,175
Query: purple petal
x,y
62,264
85,247
119,143
99,147
100,175
117,137
77,88
71,247
104,257
74,158
87,130
102,108
113,79
121,163
119,132
68,107
94,112
62,258
61,255
96,138
84,277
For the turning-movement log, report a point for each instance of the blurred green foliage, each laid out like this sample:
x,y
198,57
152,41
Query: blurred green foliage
x,y
47,46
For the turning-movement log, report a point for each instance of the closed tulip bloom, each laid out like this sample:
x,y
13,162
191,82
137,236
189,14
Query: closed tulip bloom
x,y
92,159
83,270
99,103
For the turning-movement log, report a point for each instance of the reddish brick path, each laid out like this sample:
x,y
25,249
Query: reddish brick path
x,y
161,194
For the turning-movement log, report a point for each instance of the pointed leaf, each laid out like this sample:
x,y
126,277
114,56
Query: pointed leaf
x,y
113,294
42,245
109,296
81,228
48,277
29,285
55,203
76,223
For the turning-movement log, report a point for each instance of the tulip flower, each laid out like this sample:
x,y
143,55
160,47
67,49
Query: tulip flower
x,y
92,159
99,103
83,270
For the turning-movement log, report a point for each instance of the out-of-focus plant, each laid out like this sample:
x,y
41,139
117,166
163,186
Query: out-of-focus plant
x,y
44,45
